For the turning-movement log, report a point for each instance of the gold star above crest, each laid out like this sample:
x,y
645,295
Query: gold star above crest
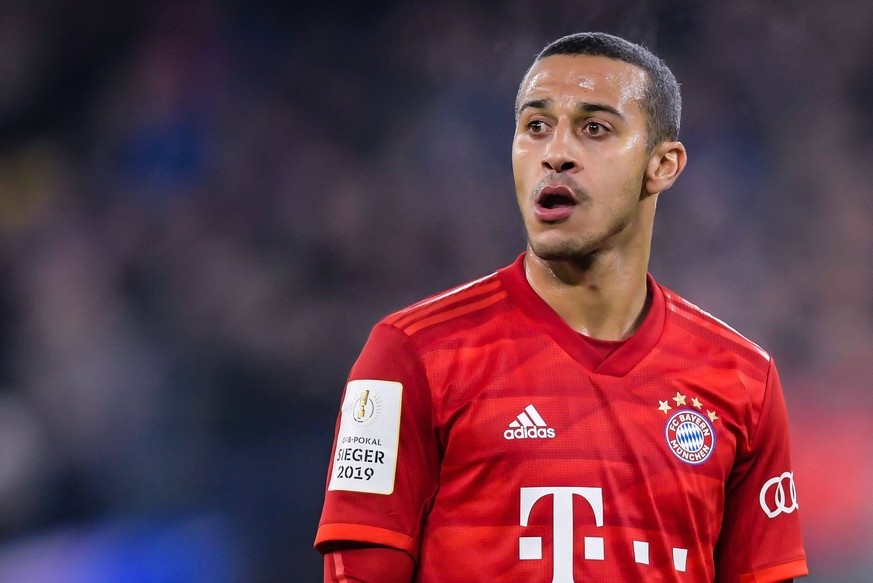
x,y
679,398
712,415
696,402
664,407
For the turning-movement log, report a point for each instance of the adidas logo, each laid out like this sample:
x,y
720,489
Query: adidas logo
x,y
528,425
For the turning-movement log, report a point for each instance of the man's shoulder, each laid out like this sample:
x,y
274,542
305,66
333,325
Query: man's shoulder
x,y
450,310
691,319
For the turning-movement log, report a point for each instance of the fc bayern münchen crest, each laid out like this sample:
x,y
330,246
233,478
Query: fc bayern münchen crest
x,y
690,436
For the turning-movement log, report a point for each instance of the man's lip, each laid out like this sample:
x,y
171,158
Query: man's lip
x,y
556,190
546,211
553,215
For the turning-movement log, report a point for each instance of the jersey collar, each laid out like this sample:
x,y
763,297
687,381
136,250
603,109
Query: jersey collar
x,y
620,361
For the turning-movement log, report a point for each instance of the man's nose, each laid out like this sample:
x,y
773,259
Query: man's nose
x,y
562,153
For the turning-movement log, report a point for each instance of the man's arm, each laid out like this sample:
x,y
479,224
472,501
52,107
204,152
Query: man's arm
x,y
761,536
384,469
368,564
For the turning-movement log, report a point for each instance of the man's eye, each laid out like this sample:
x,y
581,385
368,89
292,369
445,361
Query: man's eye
x,y
536,127
592,128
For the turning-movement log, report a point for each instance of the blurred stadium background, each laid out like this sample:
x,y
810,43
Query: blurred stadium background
x,y
205,206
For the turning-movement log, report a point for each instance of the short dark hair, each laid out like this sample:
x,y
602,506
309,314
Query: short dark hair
x,y
662,101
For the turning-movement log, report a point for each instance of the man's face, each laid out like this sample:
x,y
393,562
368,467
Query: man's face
x,y
579,155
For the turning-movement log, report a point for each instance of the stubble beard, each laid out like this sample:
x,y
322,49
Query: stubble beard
x,y
584,248
574,251
581,250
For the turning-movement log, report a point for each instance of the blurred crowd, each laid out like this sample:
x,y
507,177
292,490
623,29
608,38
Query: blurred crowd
x,y
205,206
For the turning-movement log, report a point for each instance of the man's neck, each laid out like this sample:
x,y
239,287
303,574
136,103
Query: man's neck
x,y
603,297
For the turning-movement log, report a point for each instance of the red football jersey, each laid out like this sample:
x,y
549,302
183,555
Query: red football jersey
x,y
484,436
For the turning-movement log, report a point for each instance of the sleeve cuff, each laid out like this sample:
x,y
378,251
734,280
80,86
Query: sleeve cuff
x,y
363,533
777,573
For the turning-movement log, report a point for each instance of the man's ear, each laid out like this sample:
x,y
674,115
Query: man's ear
x,y
665,165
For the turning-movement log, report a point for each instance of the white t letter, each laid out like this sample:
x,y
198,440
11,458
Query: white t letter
x,y
562,524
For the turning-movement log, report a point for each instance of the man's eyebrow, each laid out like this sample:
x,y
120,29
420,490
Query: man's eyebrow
x,y
534,104
592,107
584,106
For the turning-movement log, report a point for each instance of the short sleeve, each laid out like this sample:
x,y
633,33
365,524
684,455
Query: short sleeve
x,y
384,464
760,538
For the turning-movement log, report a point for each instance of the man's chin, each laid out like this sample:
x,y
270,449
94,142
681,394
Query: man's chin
x,y
565,250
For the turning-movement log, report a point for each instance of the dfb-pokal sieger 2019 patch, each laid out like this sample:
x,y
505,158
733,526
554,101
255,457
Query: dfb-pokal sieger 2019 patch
x,y
367,442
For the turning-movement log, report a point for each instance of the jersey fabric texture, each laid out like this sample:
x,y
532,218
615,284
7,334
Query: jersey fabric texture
x,y
524,454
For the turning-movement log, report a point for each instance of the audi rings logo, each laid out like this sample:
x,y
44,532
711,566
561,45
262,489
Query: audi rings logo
x,y
779,495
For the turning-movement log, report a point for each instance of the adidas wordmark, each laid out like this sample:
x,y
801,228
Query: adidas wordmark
x,y
529,425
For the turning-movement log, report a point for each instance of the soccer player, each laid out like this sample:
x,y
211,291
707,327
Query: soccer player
x,y
567,418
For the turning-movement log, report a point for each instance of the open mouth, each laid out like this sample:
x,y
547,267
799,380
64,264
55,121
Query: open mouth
x,y
555,203
556,196
551,201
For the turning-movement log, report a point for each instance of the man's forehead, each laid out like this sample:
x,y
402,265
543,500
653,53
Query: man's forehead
x,y
585,75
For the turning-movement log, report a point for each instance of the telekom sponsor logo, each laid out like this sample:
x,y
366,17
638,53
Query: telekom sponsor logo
x,y
562,528
779,495
563,545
